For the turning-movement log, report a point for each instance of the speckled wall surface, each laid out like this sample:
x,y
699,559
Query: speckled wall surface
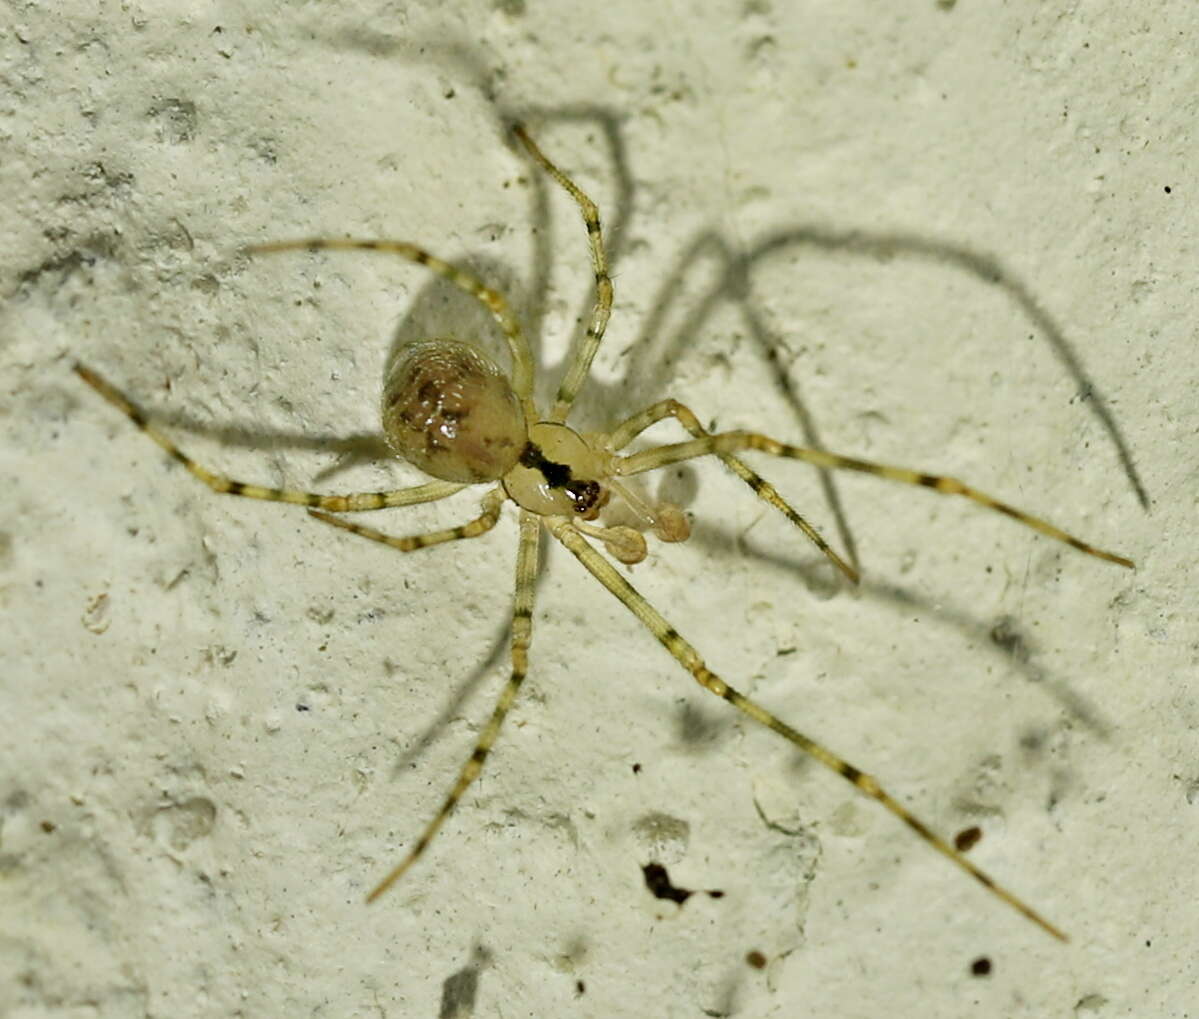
x,y
956,237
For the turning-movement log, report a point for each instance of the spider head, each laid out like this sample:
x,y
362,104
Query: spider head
x,y
558,474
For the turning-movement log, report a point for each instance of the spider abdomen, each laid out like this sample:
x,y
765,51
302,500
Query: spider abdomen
x,y
450,411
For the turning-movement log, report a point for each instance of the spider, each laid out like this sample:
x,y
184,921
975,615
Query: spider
x,y
450,411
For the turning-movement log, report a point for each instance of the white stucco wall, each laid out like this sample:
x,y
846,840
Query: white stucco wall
x,y
972,229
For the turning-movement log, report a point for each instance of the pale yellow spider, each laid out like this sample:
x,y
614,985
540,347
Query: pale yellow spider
x,y
451,412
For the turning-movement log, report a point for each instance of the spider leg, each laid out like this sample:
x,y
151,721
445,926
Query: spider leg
x,y
522,635
689,658
493,300
580,363
736,442
354,501
480,525
626,431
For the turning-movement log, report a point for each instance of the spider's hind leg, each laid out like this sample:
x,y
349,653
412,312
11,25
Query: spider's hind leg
x,y
492,300
480,525
689,658
522,636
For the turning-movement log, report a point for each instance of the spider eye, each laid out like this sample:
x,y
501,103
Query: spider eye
x,y
588,498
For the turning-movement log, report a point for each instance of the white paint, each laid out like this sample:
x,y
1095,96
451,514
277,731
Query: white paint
x,y
211,844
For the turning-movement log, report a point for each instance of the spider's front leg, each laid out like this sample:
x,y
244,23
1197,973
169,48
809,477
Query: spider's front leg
x,y
628,430
727,443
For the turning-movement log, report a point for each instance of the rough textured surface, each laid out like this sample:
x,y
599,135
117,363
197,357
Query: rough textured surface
x,y
972,240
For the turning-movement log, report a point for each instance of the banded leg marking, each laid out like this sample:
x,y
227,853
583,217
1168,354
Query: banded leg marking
x,y
736,442
480,525
580,363
522,635
689,658
352,502
628,430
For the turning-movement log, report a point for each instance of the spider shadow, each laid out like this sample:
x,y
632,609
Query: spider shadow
x,y
355,449
463,56
649,365
1002,636
441,309
655,352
